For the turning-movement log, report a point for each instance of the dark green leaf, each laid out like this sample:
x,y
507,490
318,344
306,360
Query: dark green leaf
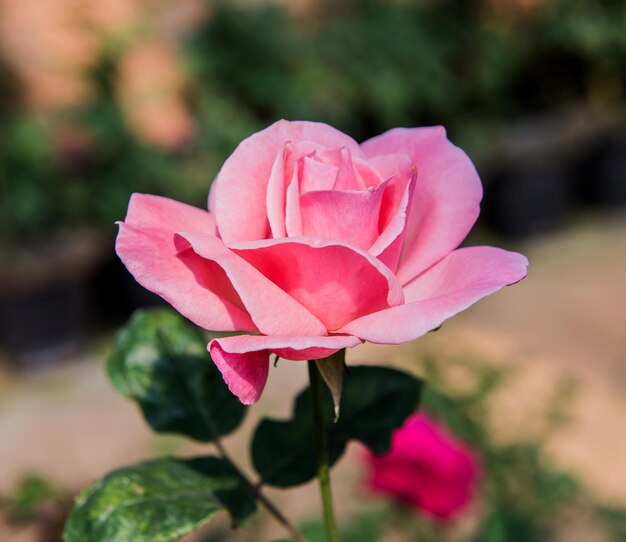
x,y
162,363
159,501
375,401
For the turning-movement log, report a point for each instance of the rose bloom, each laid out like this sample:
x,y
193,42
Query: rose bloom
x,y
426,468
314,243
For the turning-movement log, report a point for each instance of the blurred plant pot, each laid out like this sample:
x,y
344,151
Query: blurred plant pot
x,y
531,198
117,293
44,295
535,173
603,171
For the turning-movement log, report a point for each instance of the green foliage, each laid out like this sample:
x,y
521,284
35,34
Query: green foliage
x,y
25,159
614,520
365,527
161,362
375,401
363,66
32,492
159,501
253,56
523,494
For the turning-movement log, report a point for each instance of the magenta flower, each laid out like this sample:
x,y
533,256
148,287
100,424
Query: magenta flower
x,y
426,468
314,243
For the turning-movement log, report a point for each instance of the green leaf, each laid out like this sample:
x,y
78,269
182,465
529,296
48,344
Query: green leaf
x,y
375,401
332,369
159,501
161,362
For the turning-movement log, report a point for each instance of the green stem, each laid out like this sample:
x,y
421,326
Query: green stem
x,y
321,444
255,490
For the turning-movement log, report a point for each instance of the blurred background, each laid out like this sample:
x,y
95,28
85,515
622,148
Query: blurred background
x,y
102,98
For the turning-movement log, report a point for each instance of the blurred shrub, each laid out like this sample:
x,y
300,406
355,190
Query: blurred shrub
x,y
32,492
173,90
37,502
524,496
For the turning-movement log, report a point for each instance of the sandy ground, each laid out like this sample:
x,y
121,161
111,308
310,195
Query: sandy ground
x,y
567,321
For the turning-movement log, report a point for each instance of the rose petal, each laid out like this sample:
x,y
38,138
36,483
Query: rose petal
x,y
334,281
245,373
348,215
398,170
303,348
316,174
272,310
243,359
394,208
206,298
367,175
388,246
239,199
293,218
456,282
291,348
447,195
298,168
148,211
275,198
346,175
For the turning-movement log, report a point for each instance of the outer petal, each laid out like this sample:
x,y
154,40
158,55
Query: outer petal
x,y
238,200
148,211
245,373
456,282
272,310
243,359
145,244
334,281
446,200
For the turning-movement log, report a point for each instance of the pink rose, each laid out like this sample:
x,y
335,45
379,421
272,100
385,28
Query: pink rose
x,y
426,468
314,243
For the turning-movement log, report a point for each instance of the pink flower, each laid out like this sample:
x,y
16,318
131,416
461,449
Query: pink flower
x,y
426,468
314,243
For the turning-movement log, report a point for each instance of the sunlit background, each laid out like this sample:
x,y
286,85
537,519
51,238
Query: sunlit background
x,y
102,98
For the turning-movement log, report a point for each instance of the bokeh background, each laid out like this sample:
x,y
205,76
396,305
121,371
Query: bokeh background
x,y
102,98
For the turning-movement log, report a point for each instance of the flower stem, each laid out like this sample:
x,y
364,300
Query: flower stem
x,y
254,489
278,515
321,444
